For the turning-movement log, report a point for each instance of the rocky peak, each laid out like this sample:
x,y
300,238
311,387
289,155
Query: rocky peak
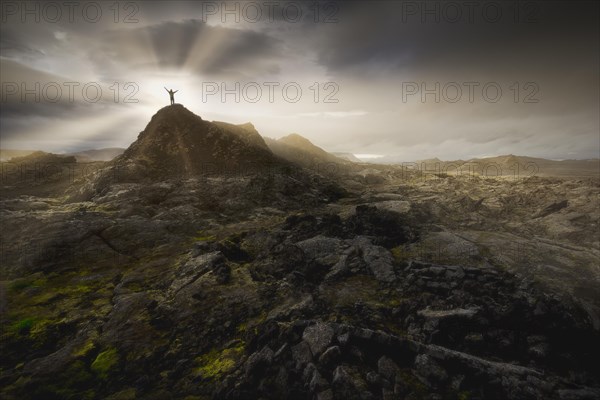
x,y
177,141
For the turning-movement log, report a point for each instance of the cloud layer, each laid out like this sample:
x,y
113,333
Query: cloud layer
x,y
380,56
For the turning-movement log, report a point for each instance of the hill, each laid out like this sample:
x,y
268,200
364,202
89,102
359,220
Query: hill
x,y
346,156
91,155
178,143
301,151
512,165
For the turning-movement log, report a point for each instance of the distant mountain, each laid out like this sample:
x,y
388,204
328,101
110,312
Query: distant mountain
x,y
43,158
7,154
91,155
301,151
347,156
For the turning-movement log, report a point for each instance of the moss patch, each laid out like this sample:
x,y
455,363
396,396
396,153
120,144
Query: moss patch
x,y
105,361
203,236
215,363
84,349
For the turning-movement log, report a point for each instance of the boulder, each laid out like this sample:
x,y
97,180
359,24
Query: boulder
x,y
318,337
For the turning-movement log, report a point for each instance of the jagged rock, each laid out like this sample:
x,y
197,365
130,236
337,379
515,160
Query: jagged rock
x,y
128,322
465,313
301,353
476,363
194,268
222,273
455,273
430,370
539,350
579,394
342,266
57,361
330,355
398,206
387,368
318,337
378,259
200,248
344,338
258,360
317,382
552,208
325,395
324,250
347,384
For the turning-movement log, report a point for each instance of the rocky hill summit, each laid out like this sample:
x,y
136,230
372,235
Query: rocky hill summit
x,y
180,149
179,142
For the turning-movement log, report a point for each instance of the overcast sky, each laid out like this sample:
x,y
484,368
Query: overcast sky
x,y
405,79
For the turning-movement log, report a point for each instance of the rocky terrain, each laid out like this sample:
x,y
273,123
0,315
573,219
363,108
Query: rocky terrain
x,y
202,263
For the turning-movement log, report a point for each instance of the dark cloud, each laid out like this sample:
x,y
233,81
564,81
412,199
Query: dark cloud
x,y
387,32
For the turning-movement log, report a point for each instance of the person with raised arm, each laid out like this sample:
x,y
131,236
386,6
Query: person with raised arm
x,y
171,94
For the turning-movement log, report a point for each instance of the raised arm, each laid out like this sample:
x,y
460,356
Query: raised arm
x,y
176,91
166,89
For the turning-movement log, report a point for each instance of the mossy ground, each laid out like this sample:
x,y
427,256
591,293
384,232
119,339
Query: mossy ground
x,y
105,362
216,363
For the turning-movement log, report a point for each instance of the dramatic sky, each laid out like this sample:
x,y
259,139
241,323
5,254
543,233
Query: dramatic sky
x,y
405,79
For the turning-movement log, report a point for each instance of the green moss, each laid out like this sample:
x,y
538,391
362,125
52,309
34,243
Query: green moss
x,y
33,328
84,349
44,298
105,361
215,363
204,237
241,328
23,326
208,238
39,329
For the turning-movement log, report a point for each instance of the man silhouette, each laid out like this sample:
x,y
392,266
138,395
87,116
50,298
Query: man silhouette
x,y
172,95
